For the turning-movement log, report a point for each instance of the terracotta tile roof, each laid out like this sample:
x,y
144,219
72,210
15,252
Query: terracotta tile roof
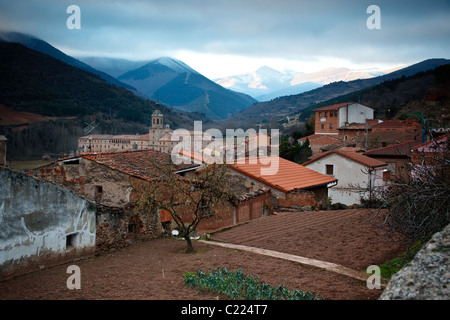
x,y
354,156
390,123
316,136
398,149
290,175
138,163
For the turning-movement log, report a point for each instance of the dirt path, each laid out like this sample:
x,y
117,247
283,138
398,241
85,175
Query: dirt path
x,y
328,266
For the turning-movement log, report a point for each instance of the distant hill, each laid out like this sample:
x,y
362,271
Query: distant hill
x,y
427,92
288,105
37,83
176,84
44,47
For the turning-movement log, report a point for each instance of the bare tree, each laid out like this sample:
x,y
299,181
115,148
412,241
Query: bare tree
x,y
188,200
412,210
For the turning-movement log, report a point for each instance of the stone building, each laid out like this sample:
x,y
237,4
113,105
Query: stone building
x,y
41,223
158,138
109,181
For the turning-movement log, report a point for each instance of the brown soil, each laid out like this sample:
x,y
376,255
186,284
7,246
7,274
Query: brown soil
x,y
154,269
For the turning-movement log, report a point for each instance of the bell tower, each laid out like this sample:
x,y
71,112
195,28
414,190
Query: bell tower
x,y
157,120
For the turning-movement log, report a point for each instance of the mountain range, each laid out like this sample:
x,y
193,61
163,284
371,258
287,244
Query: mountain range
x,y
288,105
174,83
265,83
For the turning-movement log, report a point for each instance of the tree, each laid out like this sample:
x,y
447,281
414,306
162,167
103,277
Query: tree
x,y
188,200
414,209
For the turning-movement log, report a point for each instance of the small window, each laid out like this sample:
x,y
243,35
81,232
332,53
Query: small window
x,y
331,126
329,169
322,126
71,240
326,114
98,189
131,228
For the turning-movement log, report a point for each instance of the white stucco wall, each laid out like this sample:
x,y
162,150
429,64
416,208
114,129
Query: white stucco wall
x,y
354,113
36,217
352,178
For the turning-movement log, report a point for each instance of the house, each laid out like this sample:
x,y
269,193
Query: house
x,y
432,157
292,185
328,119
390,132
41,223
397,158
318,142
109,180
360,177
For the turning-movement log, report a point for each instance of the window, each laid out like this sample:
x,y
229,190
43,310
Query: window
x,y
322,126
329,169
71,240
326,114
335,114
331,126
98,189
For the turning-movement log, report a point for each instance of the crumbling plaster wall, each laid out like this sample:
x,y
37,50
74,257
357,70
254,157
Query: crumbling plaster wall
x,y
37,219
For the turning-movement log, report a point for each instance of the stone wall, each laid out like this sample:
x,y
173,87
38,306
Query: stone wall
x,y
427,276
120,227
41,223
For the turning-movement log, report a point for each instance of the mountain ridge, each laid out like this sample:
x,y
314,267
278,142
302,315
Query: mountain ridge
x,y
42,46
176,84
287,105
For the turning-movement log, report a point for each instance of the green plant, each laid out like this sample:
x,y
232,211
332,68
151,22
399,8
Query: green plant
x,y
237,285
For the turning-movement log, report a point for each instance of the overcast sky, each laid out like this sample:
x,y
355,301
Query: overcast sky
x,y
225,37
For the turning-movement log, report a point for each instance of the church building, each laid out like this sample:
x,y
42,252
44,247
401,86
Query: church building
x,y
158,138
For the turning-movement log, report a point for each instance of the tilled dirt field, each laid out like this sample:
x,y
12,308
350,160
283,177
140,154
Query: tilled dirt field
x,y
154,269
344,237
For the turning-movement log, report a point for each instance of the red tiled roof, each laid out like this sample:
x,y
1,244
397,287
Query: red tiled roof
x,y
138,163
290,175
354,156
398,149
320,137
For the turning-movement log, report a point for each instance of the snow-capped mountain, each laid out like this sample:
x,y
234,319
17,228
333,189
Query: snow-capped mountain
x,y
177,85
329,75
257,83
266,83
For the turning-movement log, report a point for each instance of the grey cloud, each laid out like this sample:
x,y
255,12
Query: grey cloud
x,y
283,28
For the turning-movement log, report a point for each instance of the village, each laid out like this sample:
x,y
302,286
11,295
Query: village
x,y
88,204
